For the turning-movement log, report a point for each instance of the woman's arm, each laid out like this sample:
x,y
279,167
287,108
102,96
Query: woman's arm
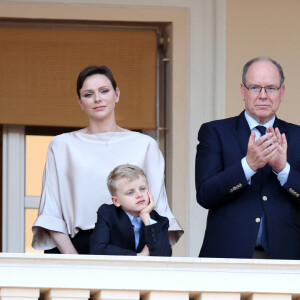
x,y
63,242
50,217
154,169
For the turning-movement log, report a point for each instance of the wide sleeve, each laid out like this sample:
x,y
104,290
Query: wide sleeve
x,y
154,168
50,212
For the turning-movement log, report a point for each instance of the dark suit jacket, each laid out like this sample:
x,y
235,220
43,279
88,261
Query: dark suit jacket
x,y
234,205
114,235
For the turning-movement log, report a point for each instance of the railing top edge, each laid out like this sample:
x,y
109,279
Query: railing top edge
x,y
90,272
183,262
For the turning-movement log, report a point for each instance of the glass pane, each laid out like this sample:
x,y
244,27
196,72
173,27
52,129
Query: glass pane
x,y
30,216
36,152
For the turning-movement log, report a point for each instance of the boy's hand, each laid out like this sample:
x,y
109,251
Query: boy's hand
x,y
145,213
144,252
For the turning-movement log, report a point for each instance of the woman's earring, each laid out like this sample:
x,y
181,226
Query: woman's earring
x,y
117,99
82,107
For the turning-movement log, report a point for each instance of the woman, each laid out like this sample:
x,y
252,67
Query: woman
x,y
78,163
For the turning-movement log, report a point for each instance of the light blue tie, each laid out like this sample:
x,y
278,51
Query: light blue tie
x,y
136,228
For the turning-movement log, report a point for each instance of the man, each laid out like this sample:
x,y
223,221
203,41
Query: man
x,y
248,176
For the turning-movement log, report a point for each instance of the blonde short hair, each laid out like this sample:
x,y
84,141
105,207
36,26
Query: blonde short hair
x,y
127,171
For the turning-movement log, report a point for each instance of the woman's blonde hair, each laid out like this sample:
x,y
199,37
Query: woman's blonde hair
x,y
127,171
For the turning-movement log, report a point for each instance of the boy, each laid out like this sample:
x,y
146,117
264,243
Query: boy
x,y
130,226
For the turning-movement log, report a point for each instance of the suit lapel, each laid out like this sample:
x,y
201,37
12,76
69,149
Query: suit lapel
x,y
142,241
281,126
267,170
126,229
242,132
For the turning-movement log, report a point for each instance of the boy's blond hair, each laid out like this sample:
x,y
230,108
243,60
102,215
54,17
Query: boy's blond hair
x,y
127,171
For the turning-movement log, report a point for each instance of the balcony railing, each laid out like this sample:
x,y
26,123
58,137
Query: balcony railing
x,y
62,277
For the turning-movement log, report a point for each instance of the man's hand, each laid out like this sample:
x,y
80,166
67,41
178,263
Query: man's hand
x,y
144,252
145,213
278,161
259,153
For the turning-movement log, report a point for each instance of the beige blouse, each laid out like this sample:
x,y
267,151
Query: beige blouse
x,y
74,180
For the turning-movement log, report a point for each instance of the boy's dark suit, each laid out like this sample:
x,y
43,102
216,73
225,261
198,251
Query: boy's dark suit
x,y
114,235
235,206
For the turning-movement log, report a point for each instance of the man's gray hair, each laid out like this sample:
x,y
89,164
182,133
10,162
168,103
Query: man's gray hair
x,y
262,58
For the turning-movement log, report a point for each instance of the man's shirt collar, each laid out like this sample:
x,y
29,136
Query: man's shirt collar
x,y
253,123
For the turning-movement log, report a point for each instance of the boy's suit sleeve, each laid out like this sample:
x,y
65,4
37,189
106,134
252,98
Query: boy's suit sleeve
x,y
156,236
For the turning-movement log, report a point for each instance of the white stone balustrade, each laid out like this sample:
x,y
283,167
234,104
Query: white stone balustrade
x,y
66,277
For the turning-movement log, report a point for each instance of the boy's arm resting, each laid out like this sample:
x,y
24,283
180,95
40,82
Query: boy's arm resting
x,y
100,241
144,252
157,238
